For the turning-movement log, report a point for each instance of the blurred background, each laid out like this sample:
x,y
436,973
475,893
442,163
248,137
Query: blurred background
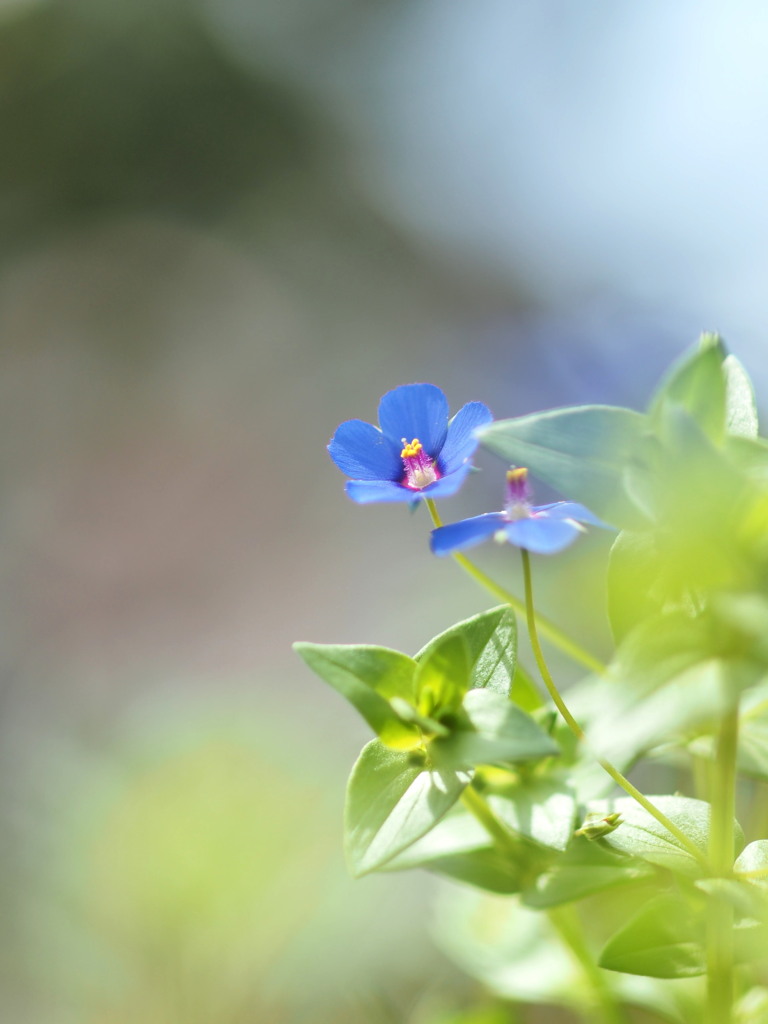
x,y
227,226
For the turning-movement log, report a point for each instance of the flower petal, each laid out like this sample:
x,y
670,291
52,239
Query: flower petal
x,y
415,411
460,442
361,451
542,535
571,510
364,492
467,533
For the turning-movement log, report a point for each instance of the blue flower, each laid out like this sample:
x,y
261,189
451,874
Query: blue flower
x,y
543,529
417,453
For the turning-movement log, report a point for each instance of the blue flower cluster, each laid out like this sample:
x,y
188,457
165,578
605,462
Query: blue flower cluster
x,y
418,453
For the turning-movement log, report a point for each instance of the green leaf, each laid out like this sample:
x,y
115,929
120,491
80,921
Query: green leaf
x,y
460,848
498,731
664,682
543,810
752,862
491,643
641,835
580,451
393,800
442,676
740,406
664,940
635,717
632,573
367,677
697,383
492,869
585,868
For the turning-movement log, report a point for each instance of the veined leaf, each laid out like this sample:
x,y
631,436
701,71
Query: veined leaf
x,y
442,676
393,800
491,643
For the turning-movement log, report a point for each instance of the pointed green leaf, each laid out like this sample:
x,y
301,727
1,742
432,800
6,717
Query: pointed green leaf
x,y
580,451
740,406
491,642
498,732
665,940
442,676
393,800
697,383
367,677
585,868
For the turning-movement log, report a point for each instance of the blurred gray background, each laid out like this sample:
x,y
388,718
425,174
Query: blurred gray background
x,y
228,225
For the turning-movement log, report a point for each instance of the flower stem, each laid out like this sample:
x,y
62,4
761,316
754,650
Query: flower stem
x,y
478,806
721,849
553,633
576,729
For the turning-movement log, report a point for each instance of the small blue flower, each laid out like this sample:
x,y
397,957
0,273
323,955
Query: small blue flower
x,y
543,529
416,454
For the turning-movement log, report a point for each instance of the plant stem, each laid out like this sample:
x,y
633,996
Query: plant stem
x,y
569,927
553,633
478,806
721,848
576,729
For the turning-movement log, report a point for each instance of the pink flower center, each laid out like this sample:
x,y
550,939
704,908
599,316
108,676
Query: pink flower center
x,y
518,504
420,470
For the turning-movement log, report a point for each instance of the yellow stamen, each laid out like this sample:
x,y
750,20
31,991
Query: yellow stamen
x,y
412,449
517,475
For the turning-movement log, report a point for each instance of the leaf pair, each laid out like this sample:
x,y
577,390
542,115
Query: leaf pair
x,y
437,717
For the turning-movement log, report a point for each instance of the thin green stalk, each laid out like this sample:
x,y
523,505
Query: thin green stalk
x,y
548,629
720,961
478,806
576,729
569,927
